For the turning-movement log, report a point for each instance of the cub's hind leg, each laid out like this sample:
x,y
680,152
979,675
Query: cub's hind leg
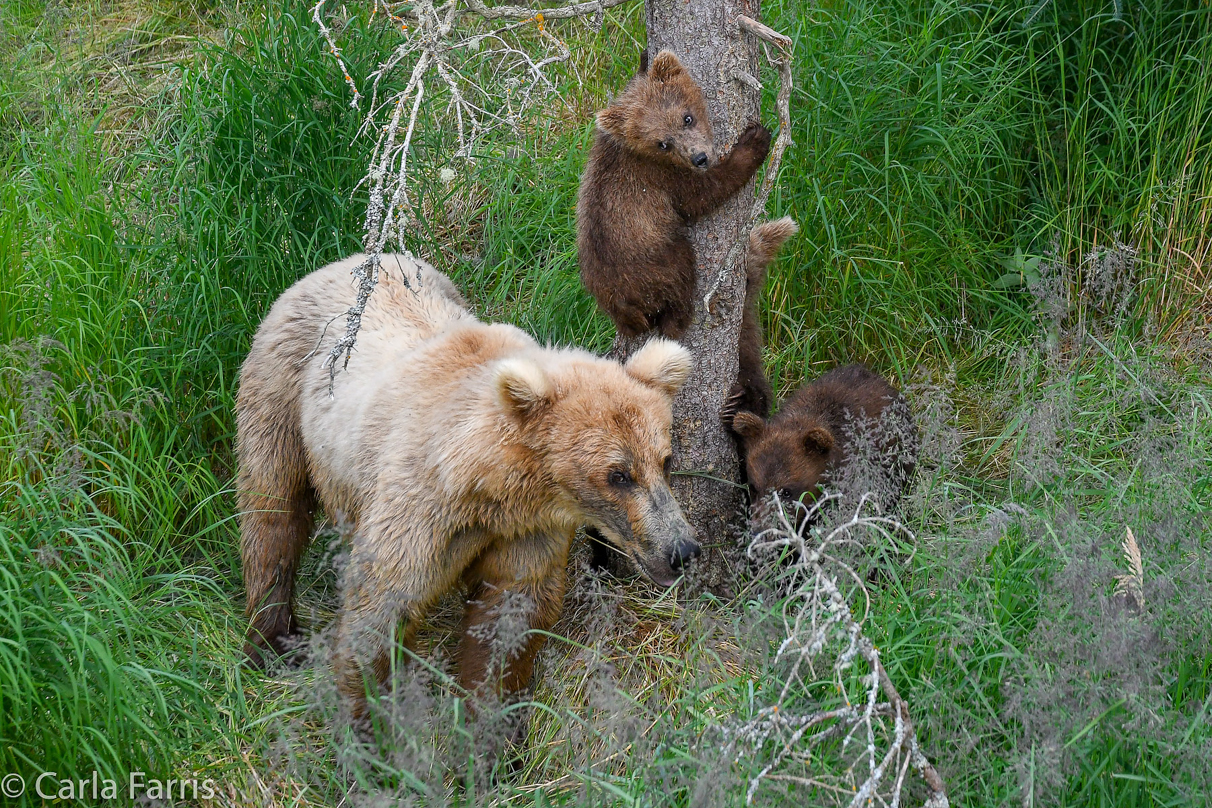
x,y
677,267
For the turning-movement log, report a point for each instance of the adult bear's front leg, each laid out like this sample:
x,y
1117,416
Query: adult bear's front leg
x,y
375,599
517,594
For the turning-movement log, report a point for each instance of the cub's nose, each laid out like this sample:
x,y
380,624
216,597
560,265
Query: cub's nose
x,y
683,553
699,160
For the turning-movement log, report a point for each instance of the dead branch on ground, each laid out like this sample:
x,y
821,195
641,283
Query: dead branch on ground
x,y
819,626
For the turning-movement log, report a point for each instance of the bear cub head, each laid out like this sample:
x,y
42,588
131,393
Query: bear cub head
x,y
602,435
792,459
850,430
662,115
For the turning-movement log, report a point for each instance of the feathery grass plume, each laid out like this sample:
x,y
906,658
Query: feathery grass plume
x,y
1131,585
34,388
1109,279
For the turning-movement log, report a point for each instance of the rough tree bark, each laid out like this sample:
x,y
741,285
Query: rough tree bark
x,y
706,38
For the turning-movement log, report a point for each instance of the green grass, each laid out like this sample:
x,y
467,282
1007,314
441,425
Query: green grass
x,y
158,191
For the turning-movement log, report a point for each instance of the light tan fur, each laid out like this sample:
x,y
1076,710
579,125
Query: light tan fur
x,y
460,451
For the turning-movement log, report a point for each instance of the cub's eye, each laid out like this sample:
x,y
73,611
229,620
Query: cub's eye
x,y
619,478
668,467
785,495
688,120
663,145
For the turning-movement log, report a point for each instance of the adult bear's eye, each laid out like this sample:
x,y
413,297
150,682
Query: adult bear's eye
x,y
688,120
619,478
663,145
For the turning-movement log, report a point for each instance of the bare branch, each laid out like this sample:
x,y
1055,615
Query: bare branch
x,y
556,13
751,26
819,625
490,79
318,16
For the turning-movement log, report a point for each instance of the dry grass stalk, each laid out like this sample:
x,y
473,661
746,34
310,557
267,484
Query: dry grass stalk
x,y
1131,585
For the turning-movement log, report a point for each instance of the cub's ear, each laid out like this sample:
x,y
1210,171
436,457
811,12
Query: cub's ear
x,y
644,61
818,440
665,67
523,388
613,120
662,364
748,425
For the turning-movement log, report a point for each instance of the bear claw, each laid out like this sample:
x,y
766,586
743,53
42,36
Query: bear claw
x,y
732,405
756,137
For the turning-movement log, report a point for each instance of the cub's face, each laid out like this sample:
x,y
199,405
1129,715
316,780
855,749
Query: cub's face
x,y
604,432
791,459
663,116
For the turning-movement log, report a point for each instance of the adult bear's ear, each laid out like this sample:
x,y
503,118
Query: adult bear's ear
x,y
662,364
523,388
665,67
818,440
748,425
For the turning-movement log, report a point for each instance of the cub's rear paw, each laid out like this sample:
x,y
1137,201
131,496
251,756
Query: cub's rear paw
x,y
673,321
255,656
630,321
286,650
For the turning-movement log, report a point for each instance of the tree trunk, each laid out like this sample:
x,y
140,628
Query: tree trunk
x,y
705,36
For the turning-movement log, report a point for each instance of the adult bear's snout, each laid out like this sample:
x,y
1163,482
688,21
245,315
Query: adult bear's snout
x,y
699,160
683,553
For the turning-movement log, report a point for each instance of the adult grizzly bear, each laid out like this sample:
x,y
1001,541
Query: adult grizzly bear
x,y
651,172
460,451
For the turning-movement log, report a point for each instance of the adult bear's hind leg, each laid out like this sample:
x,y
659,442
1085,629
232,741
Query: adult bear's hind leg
x,y
276,503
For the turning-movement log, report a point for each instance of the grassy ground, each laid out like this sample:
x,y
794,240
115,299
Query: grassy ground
x,y
1010,216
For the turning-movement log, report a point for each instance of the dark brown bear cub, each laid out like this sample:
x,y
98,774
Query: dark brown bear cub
x,y
651,173
849,429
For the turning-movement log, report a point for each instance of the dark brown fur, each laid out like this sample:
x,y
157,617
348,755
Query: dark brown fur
x,y
637,198
751,392
810,440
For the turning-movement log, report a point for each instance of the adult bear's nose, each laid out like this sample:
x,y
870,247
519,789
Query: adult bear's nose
x,y
683,553
699,160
